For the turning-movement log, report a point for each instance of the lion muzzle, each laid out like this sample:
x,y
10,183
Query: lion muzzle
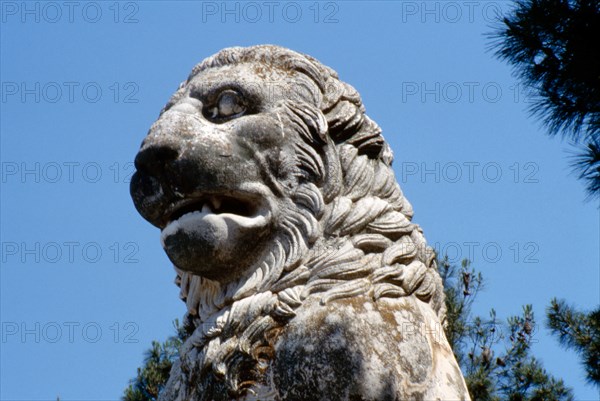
x,y
189,184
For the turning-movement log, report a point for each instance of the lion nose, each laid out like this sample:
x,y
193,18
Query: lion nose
x,y
153,158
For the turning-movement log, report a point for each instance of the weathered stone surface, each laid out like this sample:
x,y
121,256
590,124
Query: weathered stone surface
x,y
302,272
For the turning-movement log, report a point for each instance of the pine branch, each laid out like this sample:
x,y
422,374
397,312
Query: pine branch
x,y
579,332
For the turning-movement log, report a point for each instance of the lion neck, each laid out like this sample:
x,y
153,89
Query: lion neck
x,y
351,246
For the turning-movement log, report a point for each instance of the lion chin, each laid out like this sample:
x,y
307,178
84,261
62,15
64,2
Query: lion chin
x,y
303,274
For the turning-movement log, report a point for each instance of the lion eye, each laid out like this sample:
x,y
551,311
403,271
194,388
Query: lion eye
x,y
229,104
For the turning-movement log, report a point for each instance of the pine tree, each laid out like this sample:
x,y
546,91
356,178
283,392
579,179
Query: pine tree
x,y
554,48
495,358
579,331
158,361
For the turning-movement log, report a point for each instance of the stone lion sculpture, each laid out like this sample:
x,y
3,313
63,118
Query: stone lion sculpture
x,y
302,272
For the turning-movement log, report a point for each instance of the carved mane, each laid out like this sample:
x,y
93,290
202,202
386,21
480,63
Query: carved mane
x,y
347,232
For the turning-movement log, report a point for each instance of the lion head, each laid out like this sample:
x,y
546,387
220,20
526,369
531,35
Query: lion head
x,y
271,186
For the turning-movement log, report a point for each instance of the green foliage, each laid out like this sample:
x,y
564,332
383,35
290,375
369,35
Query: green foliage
x,y
158,361
461,286
554,48
587,162
579,331
495,358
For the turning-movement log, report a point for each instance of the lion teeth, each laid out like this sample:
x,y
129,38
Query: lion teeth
x,y
216,203
206,209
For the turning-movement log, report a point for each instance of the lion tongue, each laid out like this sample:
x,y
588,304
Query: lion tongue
x,y
206,220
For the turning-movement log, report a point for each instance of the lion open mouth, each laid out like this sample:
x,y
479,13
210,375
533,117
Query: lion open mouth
x,y
233,212
216,205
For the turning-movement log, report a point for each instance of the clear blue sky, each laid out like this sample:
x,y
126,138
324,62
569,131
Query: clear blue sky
x,y
85,286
